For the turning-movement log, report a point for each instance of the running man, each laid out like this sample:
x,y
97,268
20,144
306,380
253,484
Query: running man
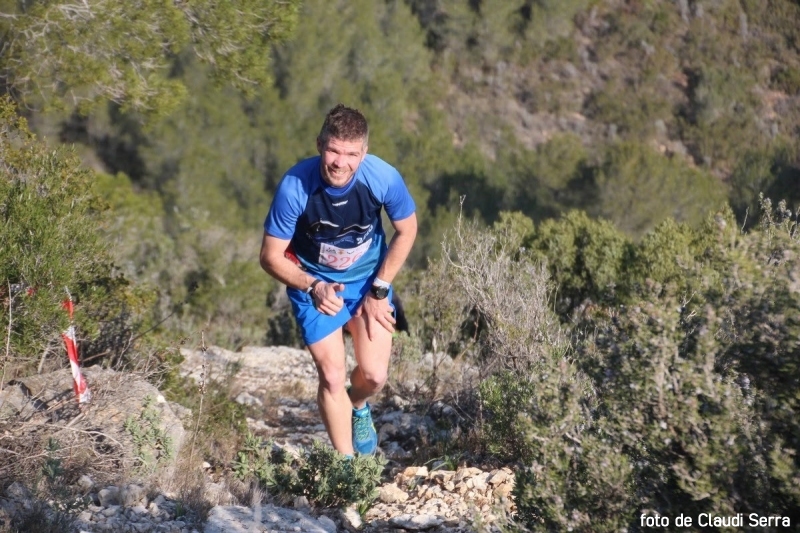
x,y
324,240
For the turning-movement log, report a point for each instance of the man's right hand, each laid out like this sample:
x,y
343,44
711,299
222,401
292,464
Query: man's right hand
x,y
326,300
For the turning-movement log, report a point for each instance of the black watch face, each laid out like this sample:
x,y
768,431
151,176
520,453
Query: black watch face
x,y
380,292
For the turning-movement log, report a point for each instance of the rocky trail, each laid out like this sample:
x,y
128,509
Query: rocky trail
x,y
280,383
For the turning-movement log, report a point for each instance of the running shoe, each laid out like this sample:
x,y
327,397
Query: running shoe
x,y
365,438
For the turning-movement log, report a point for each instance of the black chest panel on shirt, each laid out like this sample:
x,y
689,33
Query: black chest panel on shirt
x,y
345,221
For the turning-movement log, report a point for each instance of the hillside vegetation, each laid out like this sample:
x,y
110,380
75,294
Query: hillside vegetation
x,y
633,112
592,180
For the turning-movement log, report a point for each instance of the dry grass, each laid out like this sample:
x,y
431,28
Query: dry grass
x,y
29,446
510,293
187,482
40,518
484,305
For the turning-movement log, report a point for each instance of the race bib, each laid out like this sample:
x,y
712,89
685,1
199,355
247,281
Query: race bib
x,y
341,258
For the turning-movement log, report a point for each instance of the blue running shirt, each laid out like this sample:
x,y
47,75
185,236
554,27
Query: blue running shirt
x,y
337,232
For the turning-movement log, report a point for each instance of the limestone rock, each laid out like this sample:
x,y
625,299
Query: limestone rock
x,y
132,494
238,519
86,483
18,491
108,496
327,523
414,498
391,493
245,398
351,520
258,366
498,477
116,396
416,522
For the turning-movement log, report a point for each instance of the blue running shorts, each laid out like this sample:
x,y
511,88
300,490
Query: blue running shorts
x,y
314,325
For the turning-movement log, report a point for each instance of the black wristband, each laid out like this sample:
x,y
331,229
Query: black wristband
x,y
314,283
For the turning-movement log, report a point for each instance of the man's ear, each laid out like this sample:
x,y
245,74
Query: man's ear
x,y
366,149
319,146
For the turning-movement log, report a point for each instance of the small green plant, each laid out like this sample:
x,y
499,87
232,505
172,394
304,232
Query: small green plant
x,y
363,507
448,460
255,459
52,467
323,475
152,444
53,501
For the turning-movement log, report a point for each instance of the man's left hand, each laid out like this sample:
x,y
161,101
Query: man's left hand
x,y
376,311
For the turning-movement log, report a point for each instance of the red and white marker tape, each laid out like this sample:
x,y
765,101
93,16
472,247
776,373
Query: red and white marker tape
x,y
79,384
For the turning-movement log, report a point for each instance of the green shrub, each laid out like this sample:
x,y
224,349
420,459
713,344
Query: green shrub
x,y
632,113
684,424
201,279
584,258
82,69
50,246
152,444
696,375
757,172
536,403
678,392
550,179
787,79
576,485
321,474
638,188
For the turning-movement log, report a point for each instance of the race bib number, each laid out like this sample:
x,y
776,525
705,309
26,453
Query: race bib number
x,y
341,258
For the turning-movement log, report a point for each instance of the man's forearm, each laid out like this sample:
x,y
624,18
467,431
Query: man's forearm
x,y
275,263
399,248
287,273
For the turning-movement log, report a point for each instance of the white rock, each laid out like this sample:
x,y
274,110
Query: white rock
x,y
328,524
85,483
416,522
498,477
351,519
301,502
132,494
138,510
112,510
391,493
108,496
245,398
18,491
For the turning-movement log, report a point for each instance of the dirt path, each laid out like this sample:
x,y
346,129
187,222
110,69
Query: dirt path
x,y
281,383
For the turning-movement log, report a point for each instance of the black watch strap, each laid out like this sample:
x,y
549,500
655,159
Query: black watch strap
x,y
314,283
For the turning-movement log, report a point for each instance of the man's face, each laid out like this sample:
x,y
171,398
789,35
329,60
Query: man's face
x,y
339,160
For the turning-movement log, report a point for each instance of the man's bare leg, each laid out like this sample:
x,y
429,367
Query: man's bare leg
x,y
334,404
372,360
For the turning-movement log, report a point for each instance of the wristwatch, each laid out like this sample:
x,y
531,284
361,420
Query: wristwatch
x,y
379,292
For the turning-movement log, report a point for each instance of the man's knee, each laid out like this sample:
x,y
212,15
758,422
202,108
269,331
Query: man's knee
x,y
374,379
332,377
